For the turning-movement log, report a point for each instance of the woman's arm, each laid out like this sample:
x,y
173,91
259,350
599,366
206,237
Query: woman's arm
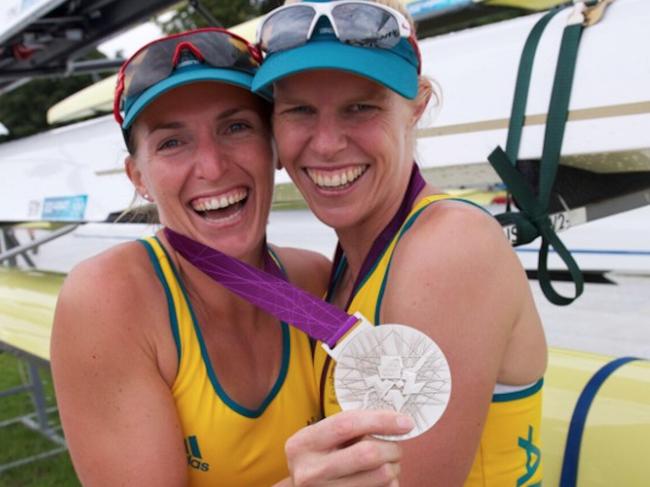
x,y
337,451
117,411
455,277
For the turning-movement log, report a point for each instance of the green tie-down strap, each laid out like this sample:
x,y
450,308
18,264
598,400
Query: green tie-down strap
x,y
524,73
533,218
531,222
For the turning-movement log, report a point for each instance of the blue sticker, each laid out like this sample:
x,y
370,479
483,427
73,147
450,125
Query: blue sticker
x,y
422,9
65,207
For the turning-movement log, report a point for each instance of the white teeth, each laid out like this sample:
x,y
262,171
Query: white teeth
x,y
331,179
220,202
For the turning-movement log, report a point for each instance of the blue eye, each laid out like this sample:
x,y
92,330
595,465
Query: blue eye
x,y
236,127
360,107
169,144
299,110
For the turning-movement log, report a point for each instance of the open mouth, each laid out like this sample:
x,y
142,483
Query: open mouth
x,y
336,179
221,207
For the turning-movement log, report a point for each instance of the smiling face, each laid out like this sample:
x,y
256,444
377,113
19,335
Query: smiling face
x,y
347,143
203,155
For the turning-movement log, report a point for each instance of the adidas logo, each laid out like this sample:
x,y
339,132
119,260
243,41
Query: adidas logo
x,y
193,452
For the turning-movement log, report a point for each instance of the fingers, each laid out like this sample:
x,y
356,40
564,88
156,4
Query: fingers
x,y
369,462
368,456
385,476
335,431
339,450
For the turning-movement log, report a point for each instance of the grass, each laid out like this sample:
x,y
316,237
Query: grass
x,y
17,441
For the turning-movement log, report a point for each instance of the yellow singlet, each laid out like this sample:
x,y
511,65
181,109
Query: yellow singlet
x,y
509,451
228,444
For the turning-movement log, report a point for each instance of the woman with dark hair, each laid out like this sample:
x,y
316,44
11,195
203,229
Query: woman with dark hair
x,y
163,376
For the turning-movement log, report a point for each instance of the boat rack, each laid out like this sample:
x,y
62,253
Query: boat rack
x,y
12,247
39,420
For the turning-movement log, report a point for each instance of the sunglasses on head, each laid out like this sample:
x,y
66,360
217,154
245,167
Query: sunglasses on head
x,y
356,22
155,61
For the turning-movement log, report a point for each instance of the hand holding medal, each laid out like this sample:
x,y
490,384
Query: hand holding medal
x,y
392,367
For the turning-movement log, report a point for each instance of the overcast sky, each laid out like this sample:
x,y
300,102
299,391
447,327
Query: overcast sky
x,y
131,40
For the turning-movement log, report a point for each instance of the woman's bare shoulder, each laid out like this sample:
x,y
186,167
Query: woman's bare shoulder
x,y
113,361
453,231
121,272
455,252
306,269
454,216
105,294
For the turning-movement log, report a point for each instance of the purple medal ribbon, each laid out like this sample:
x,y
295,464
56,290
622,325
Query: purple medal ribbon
x,y
415,186
268,291
317,318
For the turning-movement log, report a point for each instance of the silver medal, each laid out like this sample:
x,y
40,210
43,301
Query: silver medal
x,y
393,367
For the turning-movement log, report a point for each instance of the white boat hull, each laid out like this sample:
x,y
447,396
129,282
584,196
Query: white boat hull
x,y
609,117
618,244
75,173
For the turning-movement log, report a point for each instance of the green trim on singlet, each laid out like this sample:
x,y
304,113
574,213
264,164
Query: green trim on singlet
x,y
372,269
219,390
513,396
343,264
173,319
502,397
338,273
277,260
406,226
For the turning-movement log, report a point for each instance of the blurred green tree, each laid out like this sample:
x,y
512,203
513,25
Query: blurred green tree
x,y
24,110
228,13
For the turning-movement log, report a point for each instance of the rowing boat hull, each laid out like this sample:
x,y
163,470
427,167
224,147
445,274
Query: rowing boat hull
x,y
617,429
609,118
79,169
616,439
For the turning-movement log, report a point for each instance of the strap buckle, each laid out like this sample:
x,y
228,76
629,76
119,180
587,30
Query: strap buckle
x,y
594,10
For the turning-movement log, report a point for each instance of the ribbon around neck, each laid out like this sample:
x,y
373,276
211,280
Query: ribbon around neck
x,y
315,317
415,185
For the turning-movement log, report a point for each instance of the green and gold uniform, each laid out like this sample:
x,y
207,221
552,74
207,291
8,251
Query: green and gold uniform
x,y
508,453
226,443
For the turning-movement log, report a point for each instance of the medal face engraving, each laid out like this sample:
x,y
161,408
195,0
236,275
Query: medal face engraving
x,y
394,367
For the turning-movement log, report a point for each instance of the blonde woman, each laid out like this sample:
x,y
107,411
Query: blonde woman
x,y
348,95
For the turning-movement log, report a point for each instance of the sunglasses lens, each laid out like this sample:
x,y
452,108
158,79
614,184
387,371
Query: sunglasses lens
x,y
287,28
149,67
155,63
366,25
223,50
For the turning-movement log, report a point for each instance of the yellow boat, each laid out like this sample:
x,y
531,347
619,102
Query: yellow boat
x,y
605,429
